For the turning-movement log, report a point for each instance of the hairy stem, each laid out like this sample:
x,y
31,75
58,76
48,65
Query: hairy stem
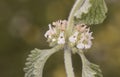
x,y
68,62
76,6
84,60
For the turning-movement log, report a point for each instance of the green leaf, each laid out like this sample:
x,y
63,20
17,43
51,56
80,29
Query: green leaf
x,y
89,69
91,12
36,61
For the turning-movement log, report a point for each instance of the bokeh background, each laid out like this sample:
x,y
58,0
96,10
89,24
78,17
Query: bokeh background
x,y
22,27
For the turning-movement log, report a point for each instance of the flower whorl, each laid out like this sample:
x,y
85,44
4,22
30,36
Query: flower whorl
x,y
81,37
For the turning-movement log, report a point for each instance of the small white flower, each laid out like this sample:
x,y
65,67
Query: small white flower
x,y
50,32
80,46
87,46
85,40
73,38
87,34
61,39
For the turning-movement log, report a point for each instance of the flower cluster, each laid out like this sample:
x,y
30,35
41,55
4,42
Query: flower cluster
x,y
56,32
81,37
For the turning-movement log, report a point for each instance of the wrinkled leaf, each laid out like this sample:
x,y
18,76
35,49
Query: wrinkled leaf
x,y
36,61
91,12
89,69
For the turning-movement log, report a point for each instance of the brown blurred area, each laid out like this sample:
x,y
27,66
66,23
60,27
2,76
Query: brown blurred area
x,y
22,27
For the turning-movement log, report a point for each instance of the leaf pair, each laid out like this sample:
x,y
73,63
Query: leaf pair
x,y
37,59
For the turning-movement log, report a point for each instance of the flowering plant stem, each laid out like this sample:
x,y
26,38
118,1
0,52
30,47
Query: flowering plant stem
x,y
67,51
76,6
72,35
68,62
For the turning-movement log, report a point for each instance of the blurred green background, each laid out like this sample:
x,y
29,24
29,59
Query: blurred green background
x,y
22,27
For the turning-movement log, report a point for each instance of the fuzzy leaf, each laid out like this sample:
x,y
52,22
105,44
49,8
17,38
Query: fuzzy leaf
x,y
89,69
91,12
36,61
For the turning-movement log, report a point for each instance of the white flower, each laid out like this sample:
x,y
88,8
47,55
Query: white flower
x,y
50,32
85,40
80,46
61,38
88,45
73,38
87,34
